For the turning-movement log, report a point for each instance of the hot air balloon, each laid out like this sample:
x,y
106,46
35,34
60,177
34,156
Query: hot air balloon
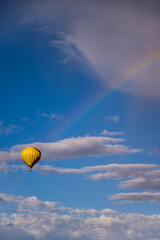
x,y
31,156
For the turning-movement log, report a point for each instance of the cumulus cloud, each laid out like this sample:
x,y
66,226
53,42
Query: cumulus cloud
x,y
137,196
41,223
34,204
87,146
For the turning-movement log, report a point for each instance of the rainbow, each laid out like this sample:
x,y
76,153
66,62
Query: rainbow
x,y
144,69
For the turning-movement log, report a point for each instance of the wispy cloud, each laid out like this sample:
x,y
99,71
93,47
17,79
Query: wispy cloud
x,y
66,47
8,129
155,150
108,171
107,133
114,119
25,119
49,115
127,34
87,146
36,219
5,168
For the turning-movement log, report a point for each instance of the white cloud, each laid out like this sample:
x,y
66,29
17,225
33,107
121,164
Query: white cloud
x,y
114,119
137,196
87,146
10,156
132,176
135,176
25,119
8,129
107,133
116,171
121,171
47,220
49,115
34,204
5,168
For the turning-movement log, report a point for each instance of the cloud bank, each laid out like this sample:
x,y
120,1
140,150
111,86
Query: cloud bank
x,y
37,219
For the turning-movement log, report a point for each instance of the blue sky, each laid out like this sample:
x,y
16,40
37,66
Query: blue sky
x,y
80,81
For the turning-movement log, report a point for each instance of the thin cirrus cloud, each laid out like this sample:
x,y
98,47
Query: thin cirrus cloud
x,y
8,129
87,146
114,119
36,219
49,115
155,150
108,133
128,42
120,40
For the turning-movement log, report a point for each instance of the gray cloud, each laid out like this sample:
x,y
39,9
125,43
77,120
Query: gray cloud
x,y
41,223
140,176
132,176
137,197
149,181
72,148
117,171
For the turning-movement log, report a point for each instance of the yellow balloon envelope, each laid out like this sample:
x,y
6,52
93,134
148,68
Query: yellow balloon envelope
x,y
31,156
